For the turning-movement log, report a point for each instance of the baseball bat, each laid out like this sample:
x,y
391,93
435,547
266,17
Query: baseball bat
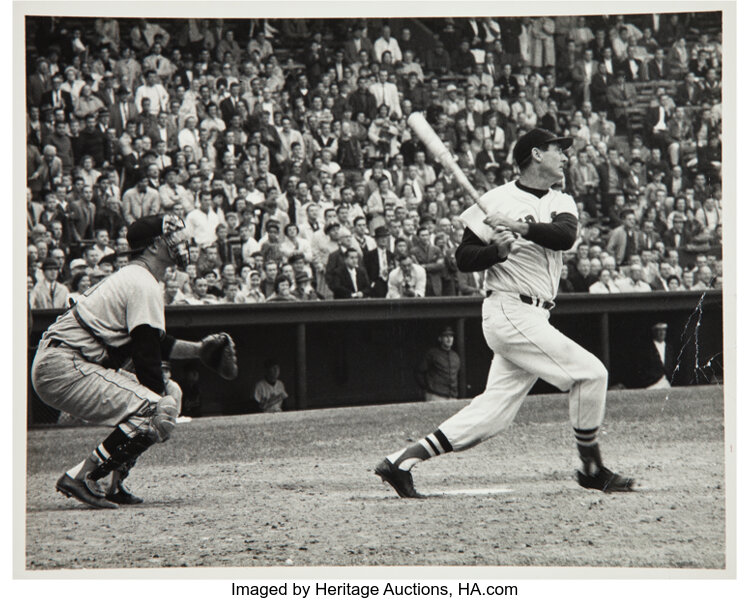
x,y
434,144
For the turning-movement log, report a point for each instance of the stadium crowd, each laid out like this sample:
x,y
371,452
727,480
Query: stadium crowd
x,y
283,145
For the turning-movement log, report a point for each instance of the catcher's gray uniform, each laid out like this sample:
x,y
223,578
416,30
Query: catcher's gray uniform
x,y
78,366
69,371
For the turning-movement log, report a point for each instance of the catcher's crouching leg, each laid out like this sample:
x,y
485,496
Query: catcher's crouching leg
x,y
118,453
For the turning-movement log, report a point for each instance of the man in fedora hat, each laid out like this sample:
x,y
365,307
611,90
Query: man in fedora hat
x,y
378,263
49,293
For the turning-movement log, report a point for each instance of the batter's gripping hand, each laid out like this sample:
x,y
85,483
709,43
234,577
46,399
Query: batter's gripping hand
x,y
503,239
218,353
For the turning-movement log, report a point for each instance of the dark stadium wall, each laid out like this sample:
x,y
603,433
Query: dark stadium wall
x,y
367,354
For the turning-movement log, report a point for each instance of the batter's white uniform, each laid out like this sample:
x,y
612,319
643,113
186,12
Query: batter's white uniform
x,y
525,345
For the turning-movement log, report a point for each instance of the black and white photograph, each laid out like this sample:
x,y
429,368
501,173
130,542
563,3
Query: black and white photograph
x,y
377,290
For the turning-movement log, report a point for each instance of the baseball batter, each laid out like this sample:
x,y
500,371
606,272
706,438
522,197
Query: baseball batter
x,y
101,361
520,246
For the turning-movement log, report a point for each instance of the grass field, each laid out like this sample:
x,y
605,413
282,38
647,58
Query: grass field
x,y
298,488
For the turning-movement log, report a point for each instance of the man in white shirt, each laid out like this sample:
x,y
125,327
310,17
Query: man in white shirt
x,y
386,93
288,137
408,280
201,222
154,91
189,136
635,282
253,195
386,42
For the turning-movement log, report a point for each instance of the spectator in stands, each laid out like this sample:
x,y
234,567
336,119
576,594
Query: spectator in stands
x,y
704,279
633,281
202,221
431,259
661,281
408,280
140,201
605,284
438,60
621,97
48,292
677,59
378,263
386,43
624,241
282,291
676,236
79,283
348,279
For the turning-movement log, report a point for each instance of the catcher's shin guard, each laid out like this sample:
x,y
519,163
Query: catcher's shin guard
x,y
120,450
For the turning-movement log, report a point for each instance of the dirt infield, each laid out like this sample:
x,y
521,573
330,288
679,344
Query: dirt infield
x,y
298,488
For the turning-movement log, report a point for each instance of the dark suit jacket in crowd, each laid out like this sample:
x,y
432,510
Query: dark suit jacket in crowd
x,y
341,283
66,98
656,72
351,54
116,116
379,287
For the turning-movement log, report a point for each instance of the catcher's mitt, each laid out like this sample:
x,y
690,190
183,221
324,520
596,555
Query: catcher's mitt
x,y
218,353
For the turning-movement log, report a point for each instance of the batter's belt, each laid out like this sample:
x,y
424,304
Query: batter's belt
x,y
529,300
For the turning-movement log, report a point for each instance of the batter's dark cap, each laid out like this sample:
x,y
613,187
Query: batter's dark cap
x,y
537,138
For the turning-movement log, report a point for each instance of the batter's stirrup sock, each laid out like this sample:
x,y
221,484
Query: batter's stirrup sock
x,y
118,450
591,459
432,445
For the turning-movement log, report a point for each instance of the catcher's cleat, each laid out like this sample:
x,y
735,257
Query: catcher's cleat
x,y
606,481
122,495
84,490
399,480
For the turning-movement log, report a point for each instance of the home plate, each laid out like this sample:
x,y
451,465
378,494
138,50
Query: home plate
x,y
471,492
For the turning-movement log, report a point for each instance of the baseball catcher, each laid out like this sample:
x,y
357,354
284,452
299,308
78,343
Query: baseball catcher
x,y
101,361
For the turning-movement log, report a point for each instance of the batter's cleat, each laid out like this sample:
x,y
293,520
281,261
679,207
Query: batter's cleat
x,y
122,495
606,481
84,490
399,480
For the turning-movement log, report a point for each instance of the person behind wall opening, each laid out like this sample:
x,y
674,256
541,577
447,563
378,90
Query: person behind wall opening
x,y
437,373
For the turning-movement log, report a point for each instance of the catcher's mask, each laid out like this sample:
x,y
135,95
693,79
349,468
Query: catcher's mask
x,y
176,237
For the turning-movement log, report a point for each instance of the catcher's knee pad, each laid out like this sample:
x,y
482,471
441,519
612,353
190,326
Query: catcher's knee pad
x,y
165,418
173,389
